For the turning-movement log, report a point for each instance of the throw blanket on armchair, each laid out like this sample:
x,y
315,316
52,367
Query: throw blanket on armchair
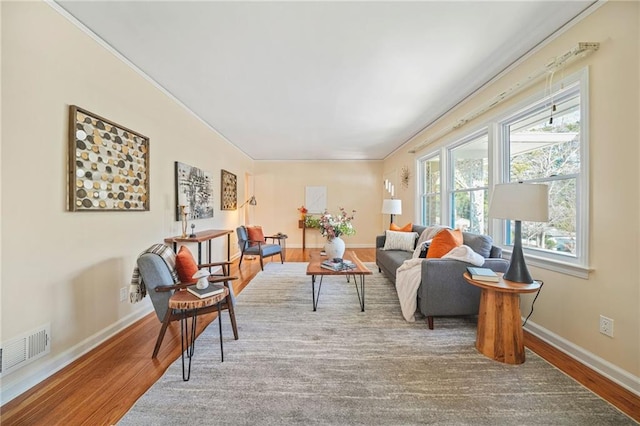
x,y
409,274
137,289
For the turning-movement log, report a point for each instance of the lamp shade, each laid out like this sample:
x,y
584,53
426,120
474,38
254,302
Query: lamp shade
x,y
520,201
252,201
391,206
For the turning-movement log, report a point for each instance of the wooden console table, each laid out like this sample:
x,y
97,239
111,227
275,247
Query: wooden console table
x,y
499,320
199,238
302,225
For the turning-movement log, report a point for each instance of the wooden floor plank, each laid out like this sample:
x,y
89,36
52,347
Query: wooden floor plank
x,y
101,386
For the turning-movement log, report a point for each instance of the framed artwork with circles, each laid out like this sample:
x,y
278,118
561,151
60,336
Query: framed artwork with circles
x,y
108,165
229,191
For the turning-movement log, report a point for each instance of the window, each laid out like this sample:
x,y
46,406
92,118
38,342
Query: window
x,y
430,190
542,140
469,186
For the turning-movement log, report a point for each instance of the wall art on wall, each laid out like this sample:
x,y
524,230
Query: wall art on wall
x,y
228,191
197,184
315,198
108,165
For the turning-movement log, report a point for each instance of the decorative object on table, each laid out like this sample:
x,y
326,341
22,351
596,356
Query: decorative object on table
x,y
193,231
108,165
197,184
518,202
201,276
183,205
391,207
208,291
303,212
332,227
338,264
483,274
315,199
405,175
228,190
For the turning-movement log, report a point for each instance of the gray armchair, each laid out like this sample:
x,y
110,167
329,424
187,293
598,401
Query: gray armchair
x,y
160,286
261,249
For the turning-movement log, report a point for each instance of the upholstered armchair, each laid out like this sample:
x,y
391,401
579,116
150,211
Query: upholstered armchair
x,y
160,285
256,245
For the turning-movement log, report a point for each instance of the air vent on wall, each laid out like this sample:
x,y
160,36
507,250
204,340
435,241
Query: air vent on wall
x,y
22,350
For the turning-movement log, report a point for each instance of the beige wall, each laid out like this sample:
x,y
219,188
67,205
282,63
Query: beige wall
x,y
568,309
354,185
67,268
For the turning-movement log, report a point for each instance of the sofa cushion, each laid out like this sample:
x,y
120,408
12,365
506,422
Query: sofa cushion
x,y
444,241
481,244
407,228
396,240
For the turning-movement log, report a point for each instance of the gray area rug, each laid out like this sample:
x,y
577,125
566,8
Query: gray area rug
x,y
340,366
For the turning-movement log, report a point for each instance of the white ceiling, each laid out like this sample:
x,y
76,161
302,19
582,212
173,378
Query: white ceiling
x,y
321,80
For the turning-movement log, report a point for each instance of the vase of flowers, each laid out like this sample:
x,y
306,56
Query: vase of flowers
x,y
332,227
303,212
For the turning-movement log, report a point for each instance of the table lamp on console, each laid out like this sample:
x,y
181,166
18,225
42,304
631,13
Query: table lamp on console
x,y
519,202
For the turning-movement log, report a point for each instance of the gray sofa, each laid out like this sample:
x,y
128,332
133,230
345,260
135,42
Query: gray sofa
x,y
443,291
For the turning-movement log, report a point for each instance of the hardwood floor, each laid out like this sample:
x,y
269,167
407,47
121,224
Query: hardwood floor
x,y
100,387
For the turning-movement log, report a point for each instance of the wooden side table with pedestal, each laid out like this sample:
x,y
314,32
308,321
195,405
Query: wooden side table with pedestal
x,y
499,334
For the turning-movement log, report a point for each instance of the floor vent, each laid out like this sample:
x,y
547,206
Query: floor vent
x,y
22,350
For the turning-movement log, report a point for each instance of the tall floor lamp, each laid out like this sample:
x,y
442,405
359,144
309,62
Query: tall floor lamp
x,y
391,207
252,202
518,202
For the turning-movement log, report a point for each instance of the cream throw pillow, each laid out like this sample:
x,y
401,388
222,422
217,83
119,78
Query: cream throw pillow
x,y
396,240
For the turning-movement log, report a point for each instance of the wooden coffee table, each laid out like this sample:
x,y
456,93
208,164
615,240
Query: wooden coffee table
x,y
499,321
358,273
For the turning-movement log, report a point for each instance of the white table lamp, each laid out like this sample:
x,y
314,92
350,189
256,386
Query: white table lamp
x,y
518,202
391,207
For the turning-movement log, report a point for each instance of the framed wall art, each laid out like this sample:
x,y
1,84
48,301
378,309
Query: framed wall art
x,y
228,191
197,184
108,165
315,199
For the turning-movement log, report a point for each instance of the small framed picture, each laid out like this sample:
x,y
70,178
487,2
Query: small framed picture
x,y
228,191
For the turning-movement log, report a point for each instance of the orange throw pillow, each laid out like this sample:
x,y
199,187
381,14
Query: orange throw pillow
x,y
255,234
186,265
444,241
407,228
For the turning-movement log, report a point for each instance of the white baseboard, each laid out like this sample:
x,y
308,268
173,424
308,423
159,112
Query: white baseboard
x,y
21,380
601,366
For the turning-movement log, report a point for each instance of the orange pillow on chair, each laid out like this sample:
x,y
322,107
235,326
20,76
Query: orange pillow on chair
x,y
444,241
407,228
186,265
255,234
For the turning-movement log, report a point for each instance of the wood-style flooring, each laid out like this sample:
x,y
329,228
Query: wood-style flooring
x,y
101,386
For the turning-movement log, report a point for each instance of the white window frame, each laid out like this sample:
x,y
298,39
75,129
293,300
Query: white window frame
x,y
577,265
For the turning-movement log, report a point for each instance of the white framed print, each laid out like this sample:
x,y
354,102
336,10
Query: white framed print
x,y
316,199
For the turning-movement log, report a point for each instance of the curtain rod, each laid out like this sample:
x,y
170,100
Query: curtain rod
x,y
580,51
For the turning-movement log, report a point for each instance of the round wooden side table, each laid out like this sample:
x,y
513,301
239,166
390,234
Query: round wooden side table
x,y
499,335
189,305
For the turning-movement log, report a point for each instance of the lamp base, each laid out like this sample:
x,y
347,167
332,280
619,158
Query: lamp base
x,y
518,271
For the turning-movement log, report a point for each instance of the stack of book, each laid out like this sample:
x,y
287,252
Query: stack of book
x,y
338,266
212,290
483,274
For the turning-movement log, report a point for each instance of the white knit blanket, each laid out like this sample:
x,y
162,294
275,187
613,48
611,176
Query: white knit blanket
x,y
409,276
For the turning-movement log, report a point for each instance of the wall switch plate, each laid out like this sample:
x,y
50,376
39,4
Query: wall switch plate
x,y
606,326
123,294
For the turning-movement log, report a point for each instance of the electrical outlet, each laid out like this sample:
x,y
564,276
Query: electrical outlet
x,y
606,326
123,294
